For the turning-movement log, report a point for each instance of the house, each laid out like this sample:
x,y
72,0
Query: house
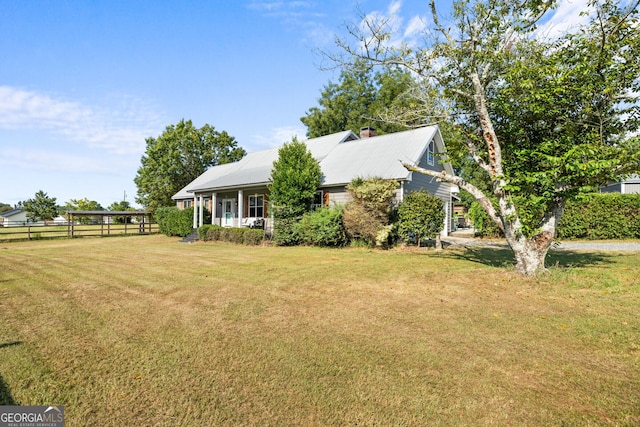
x,y
629,186
13,218
237,193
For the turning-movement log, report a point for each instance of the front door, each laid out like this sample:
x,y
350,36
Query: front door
x,y
228,213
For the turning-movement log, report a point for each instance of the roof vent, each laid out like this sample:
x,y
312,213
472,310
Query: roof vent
x,y
367,132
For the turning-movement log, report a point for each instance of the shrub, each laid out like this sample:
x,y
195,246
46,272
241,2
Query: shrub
x,y
323,227
601,216
253,237
367,216
244,236
174,222
203,232
482,224
421,215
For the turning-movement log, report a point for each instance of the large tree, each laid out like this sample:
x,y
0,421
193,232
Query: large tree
x,y
362,97
544,120
294,181
177,157
41,207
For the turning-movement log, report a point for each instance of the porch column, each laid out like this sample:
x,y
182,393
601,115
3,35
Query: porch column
x,y
240,207
201,211
214,205
447,218
195,211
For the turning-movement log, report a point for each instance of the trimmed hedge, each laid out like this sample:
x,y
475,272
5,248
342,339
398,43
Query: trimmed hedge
x,y
593,217
173,221
601,216
245,236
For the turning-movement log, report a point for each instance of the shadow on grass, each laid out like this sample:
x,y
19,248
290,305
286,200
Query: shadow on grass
x,y
5,393
503,258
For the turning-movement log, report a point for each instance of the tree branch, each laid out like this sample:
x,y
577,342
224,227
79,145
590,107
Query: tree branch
x,y
480,197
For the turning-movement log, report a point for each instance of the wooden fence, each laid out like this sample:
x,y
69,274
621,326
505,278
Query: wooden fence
x,y
71,230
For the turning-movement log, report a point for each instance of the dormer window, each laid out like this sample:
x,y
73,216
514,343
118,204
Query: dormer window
x,y
430,150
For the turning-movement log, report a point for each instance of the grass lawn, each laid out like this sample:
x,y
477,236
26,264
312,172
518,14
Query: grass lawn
x,y
147,331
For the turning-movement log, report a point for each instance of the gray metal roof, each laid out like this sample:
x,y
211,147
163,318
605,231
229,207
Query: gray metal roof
x,y
342,157
12,212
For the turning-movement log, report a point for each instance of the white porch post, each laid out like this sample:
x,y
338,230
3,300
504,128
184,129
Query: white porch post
x,y
214,205
195,211
201,211
447,218
240,207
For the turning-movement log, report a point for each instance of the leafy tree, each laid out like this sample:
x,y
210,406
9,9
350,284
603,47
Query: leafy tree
x,y
121,207
361,97
177,157
41,207
84,205
544,121
294,181
5,207
421,215
366,217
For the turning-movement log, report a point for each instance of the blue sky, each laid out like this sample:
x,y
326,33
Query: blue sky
x,y
83,83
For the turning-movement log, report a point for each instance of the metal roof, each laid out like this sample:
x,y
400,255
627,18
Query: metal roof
x,y
12,212
342,157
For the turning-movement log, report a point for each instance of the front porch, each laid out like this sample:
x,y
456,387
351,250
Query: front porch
x,y
241,208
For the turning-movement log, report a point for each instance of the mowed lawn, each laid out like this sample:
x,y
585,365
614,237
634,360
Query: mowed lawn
x,y
147,331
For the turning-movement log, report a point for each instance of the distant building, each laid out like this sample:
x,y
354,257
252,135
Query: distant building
x,y
629,186
13,218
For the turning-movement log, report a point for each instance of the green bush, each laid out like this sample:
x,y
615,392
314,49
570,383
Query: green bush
x,y
253,237
482,224
601,216
323,227
246,236
286,226
420,216
203,232
173,221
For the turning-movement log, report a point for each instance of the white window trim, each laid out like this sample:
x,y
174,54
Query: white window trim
x,y
255,206
431,153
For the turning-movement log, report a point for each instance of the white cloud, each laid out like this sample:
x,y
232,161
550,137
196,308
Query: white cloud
x,y
566,17
276,137
415,27
120,128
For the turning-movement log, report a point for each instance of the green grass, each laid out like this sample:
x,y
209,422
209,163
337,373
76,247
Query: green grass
x,y
147,331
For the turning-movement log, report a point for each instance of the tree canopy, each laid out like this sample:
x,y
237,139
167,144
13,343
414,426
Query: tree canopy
x,y
178,156
41,207
543,120
362,97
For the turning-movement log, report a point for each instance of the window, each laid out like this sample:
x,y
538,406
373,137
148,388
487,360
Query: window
x,y
318,200
187,204
256,206
430,153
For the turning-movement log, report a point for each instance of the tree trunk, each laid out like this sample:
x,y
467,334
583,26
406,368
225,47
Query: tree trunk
x,y
530,253
530,256
438,242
